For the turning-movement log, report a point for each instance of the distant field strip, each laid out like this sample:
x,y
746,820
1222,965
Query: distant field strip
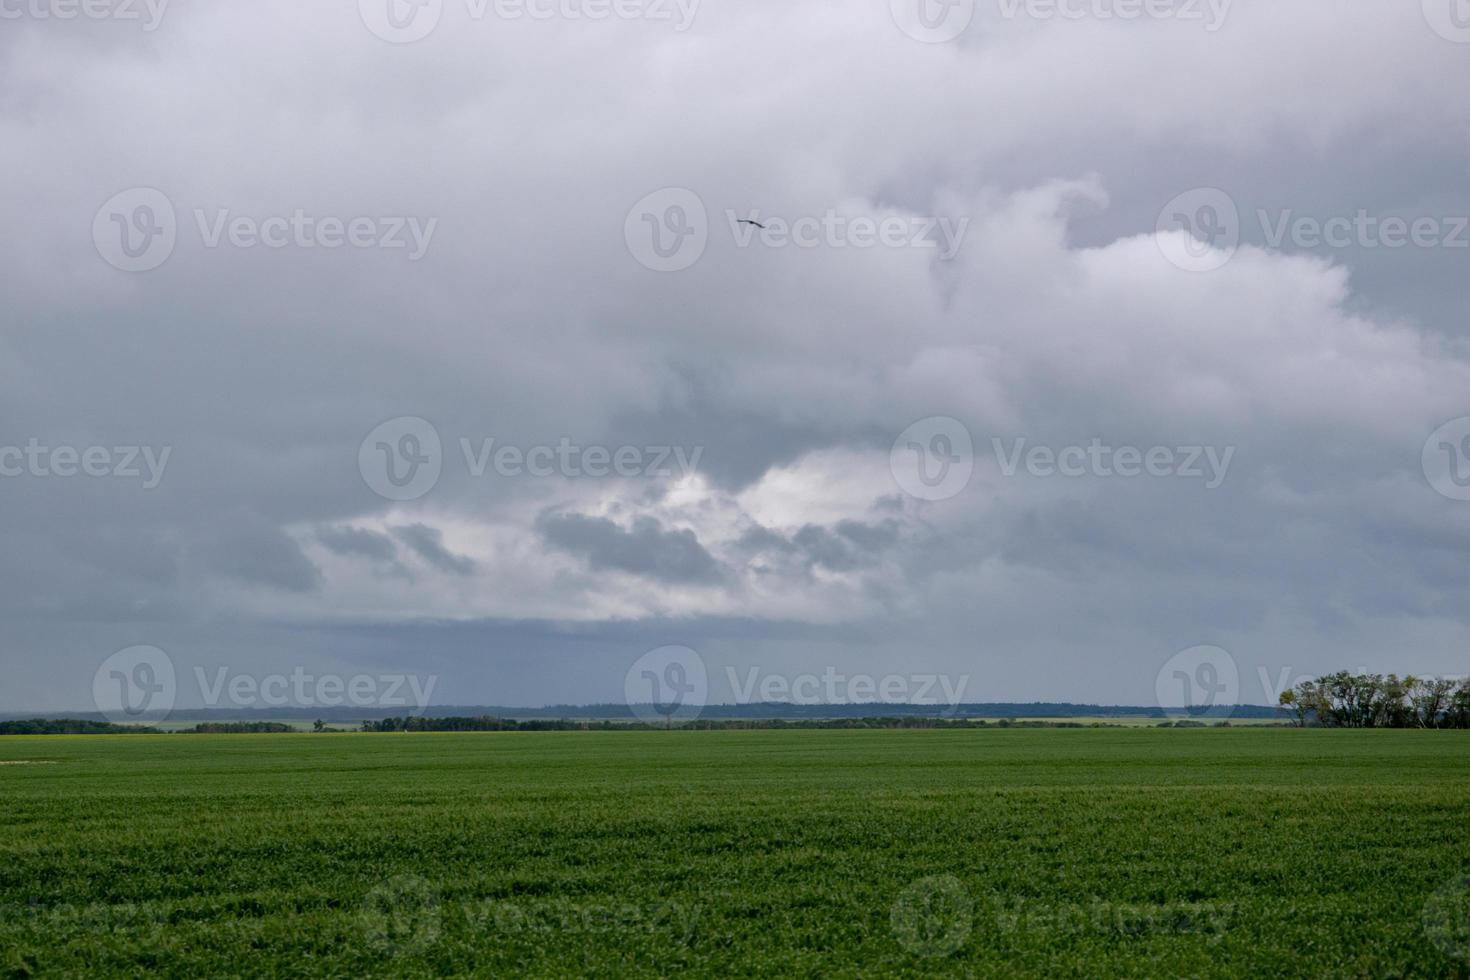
x,y
1087,852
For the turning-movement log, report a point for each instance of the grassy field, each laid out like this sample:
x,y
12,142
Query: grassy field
x,y
1102,852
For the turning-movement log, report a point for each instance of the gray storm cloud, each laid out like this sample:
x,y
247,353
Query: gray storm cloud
x,y
264,356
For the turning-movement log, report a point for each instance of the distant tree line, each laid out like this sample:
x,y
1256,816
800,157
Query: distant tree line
x,y
84,726
486,723
1347,700
67,726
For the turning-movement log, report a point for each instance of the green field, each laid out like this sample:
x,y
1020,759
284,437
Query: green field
x,y
1094,852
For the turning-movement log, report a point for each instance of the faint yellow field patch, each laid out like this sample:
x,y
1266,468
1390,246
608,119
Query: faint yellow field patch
x,y
28,762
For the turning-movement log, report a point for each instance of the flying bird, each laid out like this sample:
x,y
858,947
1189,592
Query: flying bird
x,y
747,221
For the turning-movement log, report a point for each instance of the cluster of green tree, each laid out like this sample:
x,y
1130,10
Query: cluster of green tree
x,y
68,726
1346,700
239,727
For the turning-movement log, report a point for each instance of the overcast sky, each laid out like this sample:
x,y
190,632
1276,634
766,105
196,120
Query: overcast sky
x,y
988,225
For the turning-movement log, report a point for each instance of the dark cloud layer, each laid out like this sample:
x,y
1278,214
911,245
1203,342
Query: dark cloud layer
x,y
758,394
645,548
